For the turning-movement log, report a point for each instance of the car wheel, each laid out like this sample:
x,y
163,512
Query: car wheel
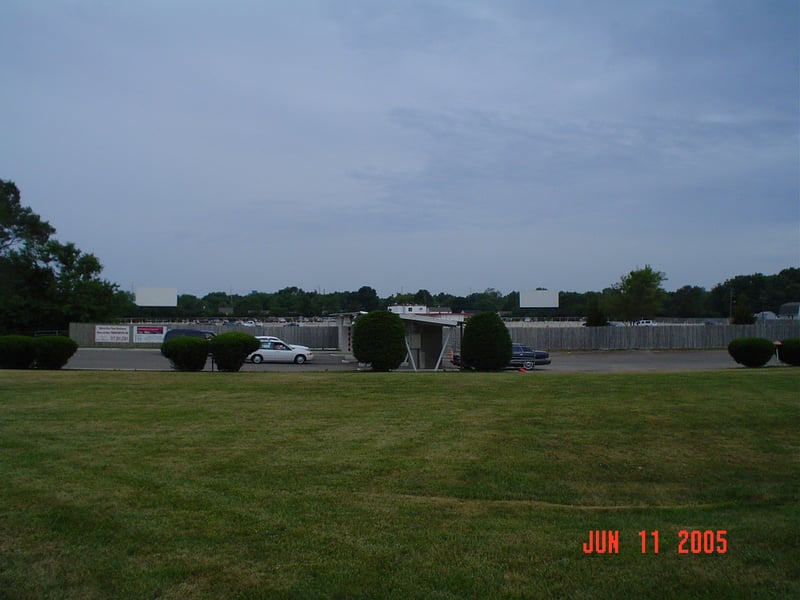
x,y
527,365
299,359
257,358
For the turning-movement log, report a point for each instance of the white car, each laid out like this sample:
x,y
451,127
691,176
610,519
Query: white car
x,y
272,338
276,350
645,323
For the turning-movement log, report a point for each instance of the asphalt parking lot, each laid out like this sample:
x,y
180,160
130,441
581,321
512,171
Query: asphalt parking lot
x,y
597,361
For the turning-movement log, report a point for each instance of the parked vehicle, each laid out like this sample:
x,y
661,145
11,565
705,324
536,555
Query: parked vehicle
x,y
645,323
272,338
526,357
175,333
276,350
521,356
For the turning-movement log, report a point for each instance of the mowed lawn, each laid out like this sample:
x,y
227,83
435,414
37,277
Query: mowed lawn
x,y
398,485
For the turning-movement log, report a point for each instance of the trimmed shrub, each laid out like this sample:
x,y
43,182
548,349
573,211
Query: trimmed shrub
x,y
379,337
54,351
789,352
487,343
231,349
17,352
751,352
186,353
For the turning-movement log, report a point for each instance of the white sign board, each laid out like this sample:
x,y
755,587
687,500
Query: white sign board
x,y
148,334
538,299
112,333
156,296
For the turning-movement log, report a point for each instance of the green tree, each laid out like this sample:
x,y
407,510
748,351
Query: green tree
x,y
594,315
231,349
379,337
490,300
368,299
20,228
743,314
80,295
639,294
423,297
757,291
45,284
688,301
487,343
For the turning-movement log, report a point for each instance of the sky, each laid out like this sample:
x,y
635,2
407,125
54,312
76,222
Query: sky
x,y
446,145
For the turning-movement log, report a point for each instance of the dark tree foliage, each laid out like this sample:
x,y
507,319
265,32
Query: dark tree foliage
x,y
20,228
45,284
231,349
486,345
751,352
594,315
758,292
639,294
743,314
186,353
686,302
789,352
54,351
379,338
17,351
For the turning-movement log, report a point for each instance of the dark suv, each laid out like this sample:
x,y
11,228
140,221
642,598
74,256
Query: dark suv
x,y
175,333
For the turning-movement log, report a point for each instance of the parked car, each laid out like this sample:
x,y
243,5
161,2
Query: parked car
x,y
526,357
272,338
175,333
275,350
645,323
521,356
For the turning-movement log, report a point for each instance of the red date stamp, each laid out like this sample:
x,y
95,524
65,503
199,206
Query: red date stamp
x,y
690,541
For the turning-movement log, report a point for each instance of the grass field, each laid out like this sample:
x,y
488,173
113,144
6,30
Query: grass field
x,y
368,485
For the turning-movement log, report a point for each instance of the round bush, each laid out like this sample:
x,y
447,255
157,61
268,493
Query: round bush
x,y
231,349
487,343
54,351
17,352
379,337
186,353
751,352
789,352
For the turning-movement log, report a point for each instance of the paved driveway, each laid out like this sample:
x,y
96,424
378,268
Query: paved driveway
x,y
563,362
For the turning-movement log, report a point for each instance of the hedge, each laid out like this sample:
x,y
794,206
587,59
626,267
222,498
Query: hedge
x,y
487,343
17,352
54,351
379,338
751,352
231,349
186,353
789,352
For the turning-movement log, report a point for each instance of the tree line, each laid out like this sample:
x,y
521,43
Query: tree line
x,y
627,300
46,284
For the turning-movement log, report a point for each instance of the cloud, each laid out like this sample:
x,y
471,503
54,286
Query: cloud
x,y
256,146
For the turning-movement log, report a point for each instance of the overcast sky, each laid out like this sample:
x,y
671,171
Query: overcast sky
x,y
447,145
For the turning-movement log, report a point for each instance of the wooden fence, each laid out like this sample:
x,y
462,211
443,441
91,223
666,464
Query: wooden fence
x,y
554,339
660,337
313,336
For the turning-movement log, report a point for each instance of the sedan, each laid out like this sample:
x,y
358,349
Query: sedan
x,y
526,357
272,351
521,356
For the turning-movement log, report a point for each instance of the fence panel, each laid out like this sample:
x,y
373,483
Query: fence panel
x,y
313,336
661,337
556,339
